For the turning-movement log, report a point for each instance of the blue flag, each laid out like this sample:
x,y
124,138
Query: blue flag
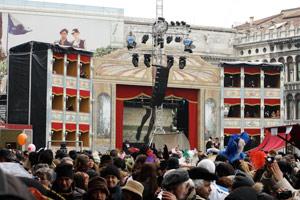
x,y
15,27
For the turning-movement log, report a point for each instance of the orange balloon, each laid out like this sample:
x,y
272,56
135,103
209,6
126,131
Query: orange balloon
x,y
22,139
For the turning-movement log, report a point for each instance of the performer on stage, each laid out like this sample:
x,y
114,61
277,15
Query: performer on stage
x,y
77,42
63,38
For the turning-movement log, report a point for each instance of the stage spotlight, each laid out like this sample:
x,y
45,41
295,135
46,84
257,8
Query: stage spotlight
x,y
135,59
177,23
183,23
182,62
188,45
145,38
177,39
172,23
131,41
170,61
147,60
169,39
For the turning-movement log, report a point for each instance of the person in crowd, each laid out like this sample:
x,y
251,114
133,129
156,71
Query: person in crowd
x,y
63,38
175,184
97,189
64,183
82,163
133,190
45,176
217,143
81,180
77,42
209,143
112,176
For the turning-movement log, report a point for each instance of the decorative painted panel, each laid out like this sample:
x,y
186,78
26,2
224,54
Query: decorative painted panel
x,y
252,93
252,123
57,116
272,122
84,118
71,82
232,123
57,80
232,93
71,117
272,93
84,84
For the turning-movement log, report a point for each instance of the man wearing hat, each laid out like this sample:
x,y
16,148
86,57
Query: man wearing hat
x,y
63,38
202,179
77,42
133,190
175,183
112,176
63,183
97,189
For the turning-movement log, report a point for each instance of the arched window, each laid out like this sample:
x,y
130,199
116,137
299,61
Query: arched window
x,y
289,106
298,67
290,69
104,115
273,60
265,60
297,106
281,60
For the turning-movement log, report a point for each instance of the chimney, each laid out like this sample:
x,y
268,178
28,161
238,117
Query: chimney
x,y
251,20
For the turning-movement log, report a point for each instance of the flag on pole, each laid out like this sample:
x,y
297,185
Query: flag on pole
x,y
15,27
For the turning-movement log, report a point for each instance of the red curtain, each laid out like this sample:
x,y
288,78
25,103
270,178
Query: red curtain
x,y
85,59
58,55
119,123
253,131
56,126
230,131
272,102
84,128
193,125
252,70
272,72
232,70
232,101
71,92
72,57
84,94
252,102
57,90
127,92
71,127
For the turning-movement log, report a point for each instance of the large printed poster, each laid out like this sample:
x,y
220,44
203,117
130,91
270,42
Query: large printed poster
x,y
85,33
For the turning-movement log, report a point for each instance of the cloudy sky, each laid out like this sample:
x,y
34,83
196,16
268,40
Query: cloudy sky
x,y
222,13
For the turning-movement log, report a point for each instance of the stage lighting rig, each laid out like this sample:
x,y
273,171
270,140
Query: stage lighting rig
x,y
145,38
147,60
169,39
177,23
183,23
131,41
170,61
172,23
188,45
182,62
178,39
135,59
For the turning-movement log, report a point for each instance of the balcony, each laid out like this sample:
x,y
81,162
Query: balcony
x,y
57,80
84,118
84,84
70,117
252,93
232,93
232,122
57,116
272,122
71,82
271,93
252,123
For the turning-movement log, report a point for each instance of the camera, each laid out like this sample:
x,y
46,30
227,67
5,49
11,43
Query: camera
x,y
270,159
285,194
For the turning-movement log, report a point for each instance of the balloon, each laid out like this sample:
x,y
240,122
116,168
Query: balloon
x,y
22,139
31,148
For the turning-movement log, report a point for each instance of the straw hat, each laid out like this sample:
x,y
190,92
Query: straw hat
x,y
135,187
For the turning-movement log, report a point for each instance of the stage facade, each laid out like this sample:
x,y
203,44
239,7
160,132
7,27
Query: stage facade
x,y
121,93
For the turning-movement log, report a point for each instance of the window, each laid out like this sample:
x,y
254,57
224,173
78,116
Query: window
x,y
232,80
252,111
233,111
264,50
289,103
272,111
290,69
256,50
252,80
272,48
298,67
104,115
298,106
242,53
272,60
249,51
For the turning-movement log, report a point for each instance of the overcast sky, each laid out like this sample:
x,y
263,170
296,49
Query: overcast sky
x,y
222,13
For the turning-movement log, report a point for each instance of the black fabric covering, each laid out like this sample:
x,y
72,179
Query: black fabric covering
x,y
18,93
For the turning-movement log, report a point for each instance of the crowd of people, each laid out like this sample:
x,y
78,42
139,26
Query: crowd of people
x,y
146,173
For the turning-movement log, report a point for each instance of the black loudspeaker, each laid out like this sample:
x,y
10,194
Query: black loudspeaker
x,y
160,86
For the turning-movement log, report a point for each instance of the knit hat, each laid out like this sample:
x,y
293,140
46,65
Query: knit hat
x,y
242,193
224,169
98,183
105,159
175,177
64,170
201,173
110,170
173,163
242,179
135,187
207,164
92,173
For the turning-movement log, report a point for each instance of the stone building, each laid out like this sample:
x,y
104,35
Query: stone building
x,y
275,39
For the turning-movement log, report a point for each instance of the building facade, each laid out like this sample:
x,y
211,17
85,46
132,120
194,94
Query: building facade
x,y
276,39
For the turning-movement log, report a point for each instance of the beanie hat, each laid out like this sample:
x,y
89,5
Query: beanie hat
x,y
92,173
173,163
201,173
242,193
105,159
242,179
98,183
175,177
110,170
64,170
224,169
207,164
